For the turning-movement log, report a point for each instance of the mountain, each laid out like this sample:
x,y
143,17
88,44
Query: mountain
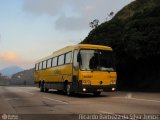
x,y
134,35
23,78
9,71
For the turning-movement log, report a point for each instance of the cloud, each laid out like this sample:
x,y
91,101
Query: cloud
x,y
74,14
70,23
8,56
12,58
50,7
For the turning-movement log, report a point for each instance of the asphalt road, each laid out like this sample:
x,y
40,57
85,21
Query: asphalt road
x,y
28,103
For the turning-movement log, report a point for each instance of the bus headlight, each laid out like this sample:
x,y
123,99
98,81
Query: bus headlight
x,y
84,89
113,89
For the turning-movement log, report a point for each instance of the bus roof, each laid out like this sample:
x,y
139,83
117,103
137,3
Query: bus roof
x,y
94,46
72,47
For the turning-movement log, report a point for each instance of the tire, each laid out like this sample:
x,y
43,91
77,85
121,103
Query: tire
x,y
41,87
96,93
44,88
68,90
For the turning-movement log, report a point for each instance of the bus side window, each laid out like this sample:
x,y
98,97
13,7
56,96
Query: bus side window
x,y
44,64
54,62
75,63
49,63
40,66
61,60
68,58
36,66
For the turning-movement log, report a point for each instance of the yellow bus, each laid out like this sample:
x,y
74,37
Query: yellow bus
x,y
81,68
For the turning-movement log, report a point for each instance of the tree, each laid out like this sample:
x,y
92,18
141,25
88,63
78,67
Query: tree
x,y
94,23
110,15
134,35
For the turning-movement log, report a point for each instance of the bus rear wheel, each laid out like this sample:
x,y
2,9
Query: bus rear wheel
x,y
45,89
96,93
41,87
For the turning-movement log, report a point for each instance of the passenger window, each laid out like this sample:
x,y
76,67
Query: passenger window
x,y
75,63
61,60
49,63
36,66
40,66
44,64
68,58
54,62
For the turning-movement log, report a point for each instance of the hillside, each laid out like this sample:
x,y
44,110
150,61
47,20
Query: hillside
x,y
9,71
134,34
23,78
4,80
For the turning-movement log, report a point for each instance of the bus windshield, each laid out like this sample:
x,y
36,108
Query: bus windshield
x,y
97,60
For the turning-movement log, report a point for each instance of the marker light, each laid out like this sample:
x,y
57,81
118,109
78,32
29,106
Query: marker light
x,y
113,89
84,89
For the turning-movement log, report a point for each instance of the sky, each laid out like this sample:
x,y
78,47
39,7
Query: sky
x,y
33,29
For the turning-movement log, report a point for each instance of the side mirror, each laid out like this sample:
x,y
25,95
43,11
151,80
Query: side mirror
x,y
78,57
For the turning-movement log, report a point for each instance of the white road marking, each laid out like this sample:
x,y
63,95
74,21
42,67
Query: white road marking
x,y
145,100
129,95
32,88
148,100
11,99
29,93
22,90
55,100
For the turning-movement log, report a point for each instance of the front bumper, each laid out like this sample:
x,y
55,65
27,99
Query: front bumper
x,y
94,88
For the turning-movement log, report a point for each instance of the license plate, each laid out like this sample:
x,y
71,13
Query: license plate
x,y
99,89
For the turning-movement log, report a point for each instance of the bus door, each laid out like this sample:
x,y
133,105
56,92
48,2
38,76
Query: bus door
x,y
75,71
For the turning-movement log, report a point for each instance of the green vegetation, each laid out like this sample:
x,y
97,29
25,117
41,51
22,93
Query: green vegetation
x,y
21,78
134,35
